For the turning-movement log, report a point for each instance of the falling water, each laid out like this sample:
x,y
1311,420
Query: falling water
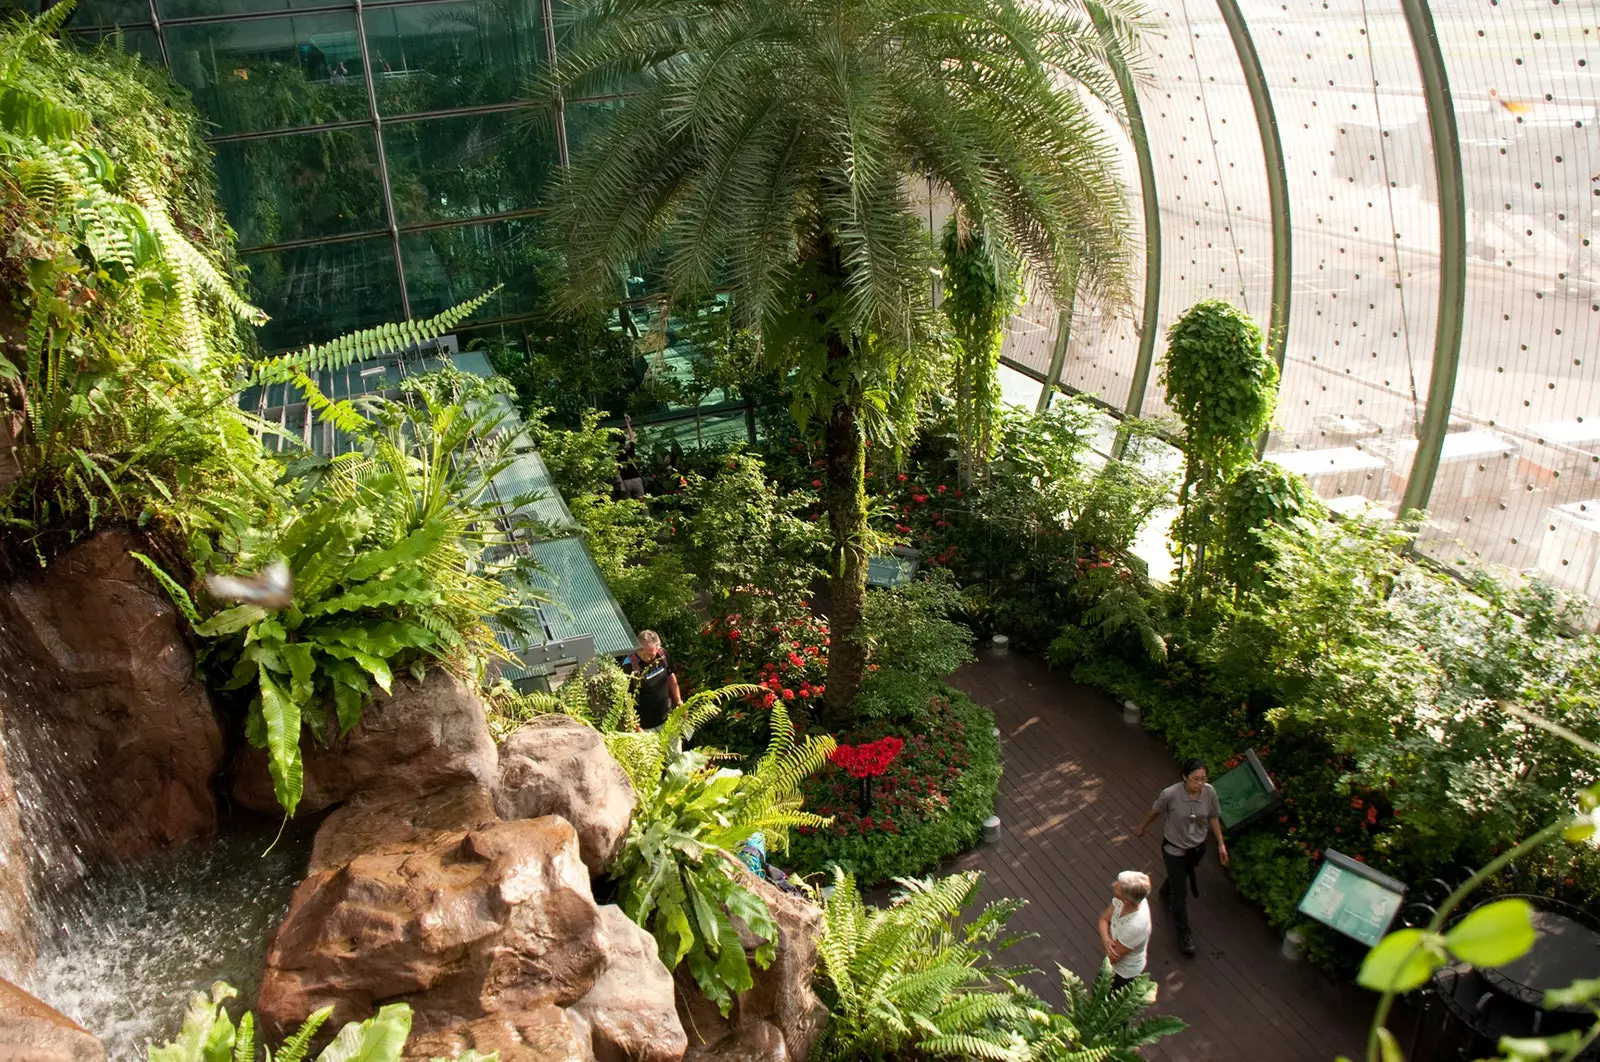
x,y
131,943
123,945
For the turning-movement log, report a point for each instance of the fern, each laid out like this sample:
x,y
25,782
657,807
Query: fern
x,y
209,1035
677,873
368,343
906,980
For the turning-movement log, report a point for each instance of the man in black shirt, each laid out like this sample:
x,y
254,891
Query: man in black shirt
x,y
630,480
657,685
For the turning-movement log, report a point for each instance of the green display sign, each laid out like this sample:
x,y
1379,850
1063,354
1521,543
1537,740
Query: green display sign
x,y
893,569
1245,792
1353,898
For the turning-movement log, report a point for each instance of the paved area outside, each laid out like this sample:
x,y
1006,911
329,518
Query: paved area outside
x,y
1077,781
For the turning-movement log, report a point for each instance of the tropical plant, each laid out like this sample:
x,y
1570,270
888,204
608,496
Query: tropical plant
x,y
1223,386
678,875
753,554
390,552
1260,493
908,628
907,981
771,146
1099,1023
978,294
210,1035
127,325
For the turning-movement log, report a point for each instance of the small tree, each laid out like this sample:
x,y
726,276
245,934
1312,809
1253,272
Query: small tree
x,y
1222,384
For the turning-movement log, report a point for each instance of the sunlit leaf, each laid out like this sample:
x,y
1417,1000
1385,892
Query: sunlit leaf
x,y
1494,934
1402,961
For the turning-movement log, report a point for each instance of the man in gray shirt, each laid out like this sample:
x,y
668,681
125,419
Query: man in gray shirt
x,y
1191,810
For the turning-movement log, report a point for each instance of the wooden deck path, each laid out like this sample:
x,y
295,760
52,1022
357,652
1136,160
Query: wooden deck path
x,y
1077,781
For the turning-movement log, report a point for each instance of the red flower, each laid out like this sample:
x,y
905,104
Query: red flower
x,y
816,483
767,700
902,477
788,695
941,488
733,635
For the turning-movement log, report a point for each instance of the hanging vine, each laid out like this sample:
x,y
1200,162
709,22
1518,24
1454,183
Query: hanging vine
x,y
978,292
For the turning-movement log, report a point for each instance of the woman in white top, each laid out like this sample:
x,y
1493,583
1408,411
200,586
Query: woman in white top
x,y
1125,927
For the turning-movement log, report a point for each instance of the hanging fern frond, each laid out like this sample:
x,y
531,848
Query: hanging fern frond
x,y
366,344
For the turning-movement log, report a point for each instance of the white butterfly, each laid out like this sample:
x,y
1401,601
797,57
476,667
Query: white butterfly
x,y
270,588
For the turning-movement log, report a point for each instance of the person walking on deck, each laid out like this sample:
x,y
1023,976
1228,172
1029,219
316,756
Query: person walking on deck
x,y
1192,811
1124,927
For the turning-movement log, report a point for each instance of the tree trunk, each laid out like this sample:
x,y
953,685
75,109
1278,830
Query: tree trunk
x,y
844,492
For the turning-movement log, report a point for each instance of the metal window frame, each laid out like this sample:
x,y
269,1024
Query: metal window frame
x,y
1446,141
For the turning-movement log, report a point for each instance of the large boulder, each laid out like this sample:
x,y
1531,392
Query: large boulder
x,y
781,997
388,825
111,690
540,1034
556,765
33,1031
473,925
422,738
631,1012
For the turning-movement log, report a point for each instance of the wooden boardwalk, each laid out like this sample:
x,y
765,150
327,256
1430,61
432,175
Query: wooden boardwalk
x,y
1077,781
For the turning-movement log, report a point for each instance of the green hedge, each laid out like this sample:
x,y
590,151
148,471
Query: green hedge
x,y
877,856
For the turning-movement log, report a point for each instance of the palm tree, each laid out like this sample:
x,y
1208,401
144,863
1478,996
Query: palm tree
x,y
772,147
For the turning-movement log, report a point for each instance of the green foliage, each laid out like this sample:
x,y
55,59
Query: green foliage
x,y
922,814
126,329
1099,1022
910,981
978,294
908,628
582,461
677,874
747,546
1258,494
1220,382
1224,387
209,1035
390,553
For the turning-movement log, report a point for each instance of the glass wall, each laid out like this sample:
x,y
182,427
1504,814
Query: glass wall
x,y
375,158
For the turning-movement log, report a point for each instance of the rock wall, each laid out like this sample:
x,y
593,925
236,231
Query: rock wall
x,y
112,710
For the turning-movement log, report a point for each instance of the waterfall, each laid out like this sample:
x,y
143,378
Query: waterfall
x,y
122,944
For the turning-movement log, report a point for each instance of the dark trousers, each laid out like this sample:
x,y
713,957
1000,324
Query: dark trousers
x,y
1177,888
1118,981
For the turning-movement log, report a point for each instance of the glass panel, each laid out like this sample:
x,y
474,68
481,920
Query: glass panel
x,y
448,266
271,73
434,57
301,186
1103,342
1216,236
1366,241
317,293
107,13
200,8
133,40
1521,470
464,167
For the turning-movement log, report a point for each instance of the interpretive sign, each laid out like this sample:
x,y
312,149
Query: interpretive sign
x,y
1352,898
893,569
1245,792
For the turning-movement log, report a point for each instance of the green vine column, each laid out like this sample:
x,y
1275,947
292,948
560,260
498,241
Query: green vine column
x,y
976,282
1224,386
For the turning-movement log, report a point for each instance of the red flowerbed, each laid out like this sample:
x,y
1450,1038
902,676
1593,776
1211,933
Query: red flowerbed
x,y
913,785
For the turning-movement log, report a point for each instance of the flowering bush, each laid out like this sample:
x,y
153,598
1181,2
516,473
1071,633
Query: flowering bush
x,y
869,760
929,802
788,659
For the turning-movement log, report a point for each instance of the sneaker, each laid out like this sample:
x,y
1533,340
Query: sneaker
x,y
1186,943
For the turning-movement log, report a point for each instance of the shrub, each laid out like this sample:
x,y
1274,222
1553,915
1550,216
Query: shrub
x,y
677,872
910,981
929,806
908,629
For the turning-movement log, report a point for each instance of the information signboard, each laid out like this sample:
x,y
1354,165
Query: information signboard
x,y
1353,898
1245,792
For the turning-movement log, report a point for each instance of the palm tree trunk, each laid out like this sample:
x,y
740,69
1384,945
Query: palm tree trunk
x,y
844,493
